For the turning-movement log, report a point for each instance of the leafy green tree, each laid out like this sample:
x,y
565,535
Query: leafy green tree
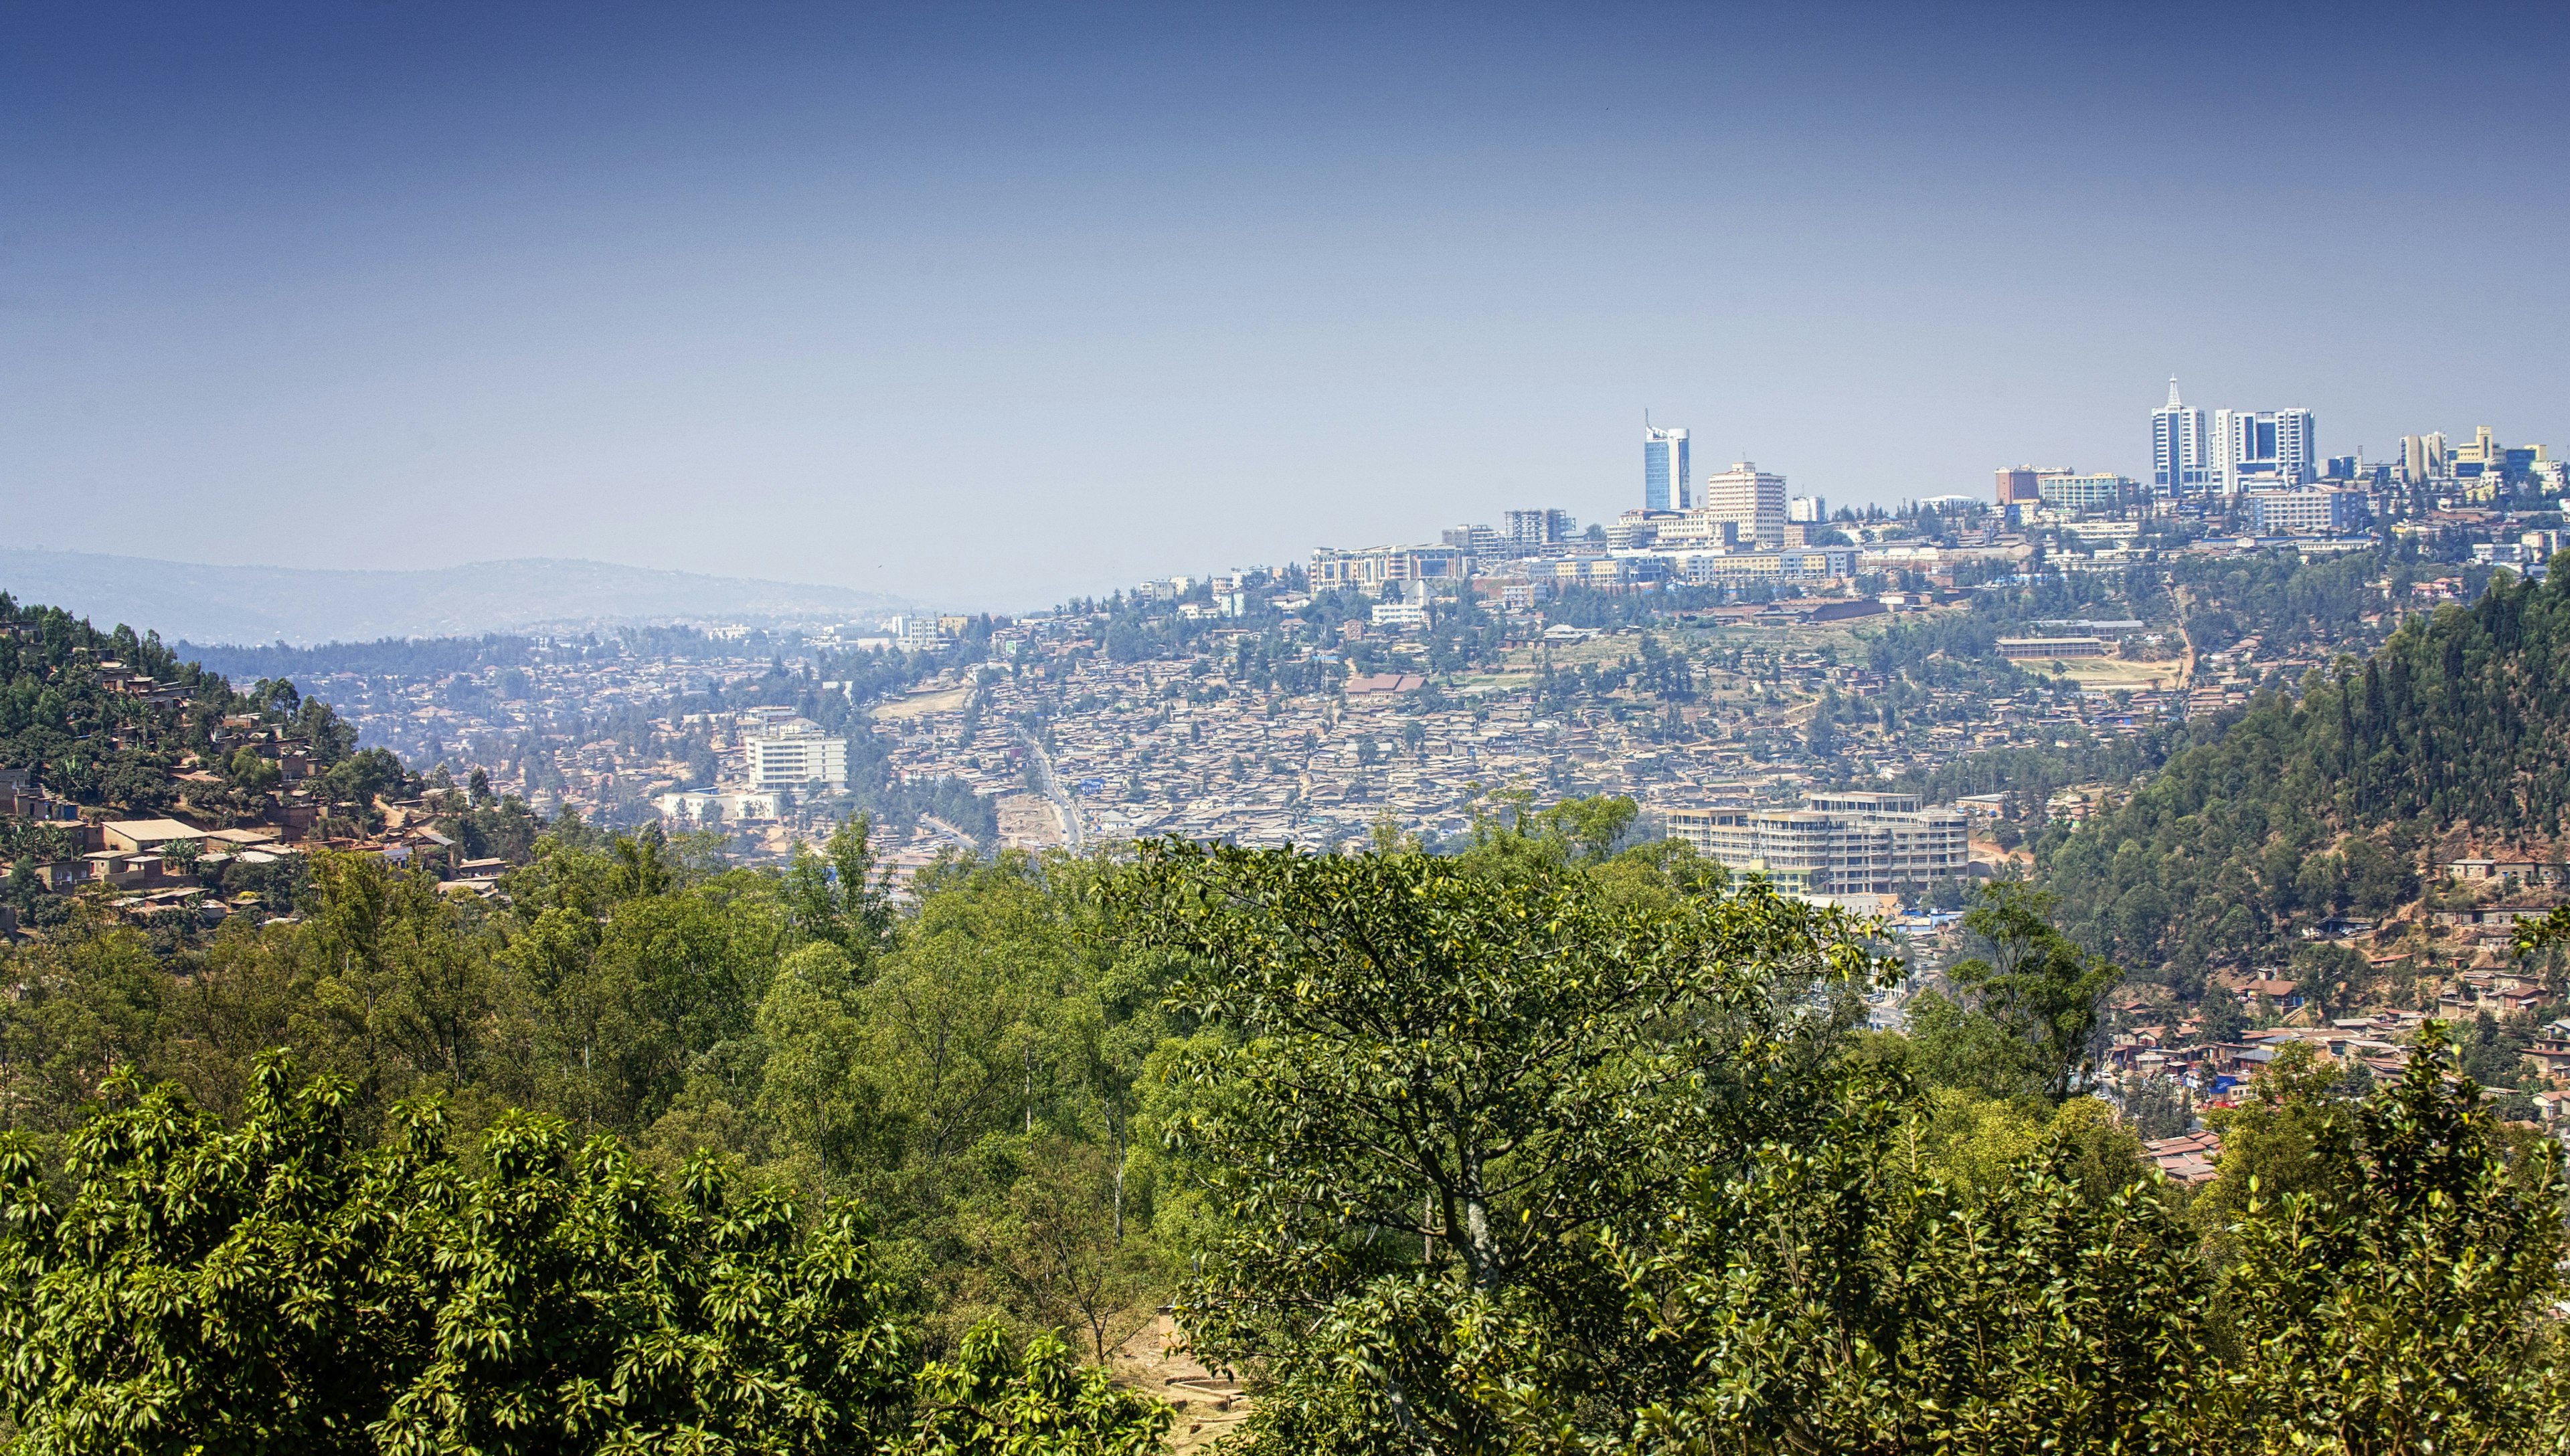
x,y
391,990
181,855
1040,1405
90,999
634,970
251,773
953,1020
1839,1293
2028,1014
1055,1238
837,895
2157,1107
1424,1092
2404,1305
278,1287
814,1084
2223,1018
2287,1135
1591,826
365,776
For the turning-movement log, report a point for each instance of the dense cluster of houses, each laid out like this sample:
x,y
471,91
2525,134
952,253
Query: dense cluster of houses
x,y
147,866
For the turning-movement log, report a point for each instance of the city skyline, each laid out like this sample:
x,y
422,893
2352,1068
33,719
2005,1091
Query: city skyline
x,y
1003,308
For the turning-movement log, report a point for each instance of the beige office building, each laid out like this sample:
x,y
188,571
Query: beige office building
x,y
1748,497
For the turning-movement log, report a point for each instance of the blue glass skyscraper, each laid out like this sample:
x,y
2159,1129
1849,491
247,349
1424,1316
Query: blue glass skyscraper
x,y
1666,483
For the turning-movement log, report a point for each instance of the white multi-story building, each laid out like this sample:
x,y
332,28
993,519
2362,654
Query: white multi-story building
x,y
914,633
794,754
2075,490
1481,545
1533,532
1751,498
2254,448
2305,513
1807,510
1836,843
2297,452
1378,568
1697,530
1636,530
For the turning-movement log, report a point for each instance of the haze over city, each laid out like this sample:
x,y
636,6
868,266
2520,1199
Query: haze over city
x,y
992,306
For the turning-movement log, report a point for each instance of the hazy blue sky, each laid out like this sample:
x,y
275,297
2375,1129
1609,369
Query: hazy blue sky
x,y
991,305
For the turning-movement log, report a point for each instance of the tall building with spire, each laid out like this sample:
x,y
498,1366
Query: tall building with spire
x,y
1665,486
2181,460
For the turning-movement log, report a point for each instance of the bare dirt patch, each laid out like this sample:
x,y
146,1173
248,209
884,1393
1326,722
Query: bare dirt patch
x,y
2115,672
919,705
1029,822
1209,1406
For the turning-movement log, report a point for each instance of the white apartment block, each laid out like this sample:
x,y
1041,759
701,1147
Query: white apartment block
x,y
1373,569
1698,531
795,754
1837,843
916,633
2305,513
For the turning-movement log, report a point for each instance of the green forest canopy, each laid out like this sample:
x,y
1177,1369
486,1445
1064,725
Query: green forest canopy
x,y
1536,1147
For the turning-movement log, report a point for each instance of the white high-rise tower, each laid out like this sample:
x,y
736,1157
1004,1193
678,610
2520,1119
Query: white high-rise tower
x,y
2180,460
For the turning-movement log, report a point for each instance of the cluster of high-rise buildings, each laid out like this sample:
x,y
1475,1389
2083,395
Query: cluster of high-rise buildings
x,y
1741,505
2231,471
2236,452
2481,465
2264,470
1733,528
2230,452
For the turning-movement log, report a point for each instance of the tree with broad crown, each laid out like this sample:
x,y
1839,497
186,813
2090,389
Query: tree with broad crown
x,y
1421,1091
2029,1007
1839,1293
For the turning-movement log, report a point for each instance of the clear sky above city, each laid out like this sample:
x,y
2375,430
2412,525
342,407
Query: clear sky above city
x,y
989,305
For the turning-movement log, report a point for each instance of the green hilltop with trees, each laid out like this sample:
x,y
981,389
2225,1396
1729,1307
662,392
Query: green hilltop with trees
x,y
2331,800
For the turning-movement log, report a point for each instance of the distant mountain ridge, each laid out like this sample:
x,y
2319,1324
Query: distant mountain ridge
x,y
305,605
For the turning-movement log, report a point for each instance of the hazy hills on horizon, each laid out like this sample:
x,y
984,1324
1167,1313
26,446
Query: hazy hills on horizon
x,y
303,605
